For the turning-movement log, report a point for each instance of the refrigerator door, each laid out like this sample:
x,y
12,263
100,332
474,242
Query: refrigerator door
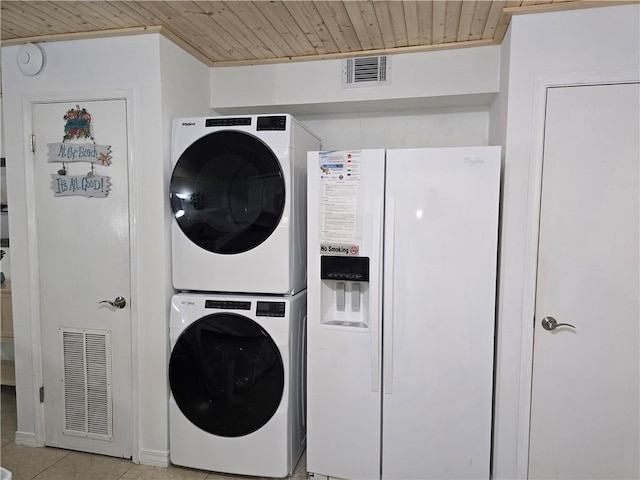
x,y
344,312
439,293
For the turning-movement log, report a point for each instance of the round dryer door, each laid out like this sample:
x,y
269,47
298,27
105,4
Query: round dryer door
x,y
227,192
226,375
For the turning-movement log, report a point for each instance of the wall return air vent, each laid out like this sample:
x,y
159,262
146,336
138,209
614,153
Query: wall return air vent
x,y
366,72
87,395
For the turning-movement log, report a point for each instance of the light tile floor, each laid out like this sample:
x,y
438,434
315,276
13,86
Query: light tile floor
x,y
29,463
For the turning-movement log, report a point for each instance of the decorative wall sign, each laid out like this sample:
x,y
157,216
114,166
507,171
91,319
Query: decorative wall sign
x,y
78,124
80,185
80,152
73,149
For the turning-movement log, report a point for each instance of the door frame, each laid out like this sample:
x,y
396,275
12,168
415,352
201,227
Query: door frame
x,y
536,157
28,101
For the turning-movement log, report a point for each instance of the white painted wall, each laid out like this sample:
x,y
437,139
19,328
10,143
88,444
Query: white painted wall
x,y
6,349
583,44
433,99
184,84
465,77
161,81
439,127
5,264
498,111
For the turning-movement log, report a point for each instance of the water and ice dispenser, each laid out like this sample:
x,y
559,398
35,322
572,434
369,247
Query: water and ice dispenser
x,y
345,291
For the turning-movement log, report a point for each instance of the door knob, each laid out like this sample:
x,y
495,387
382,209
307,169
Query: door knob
x,y
550,323
119,302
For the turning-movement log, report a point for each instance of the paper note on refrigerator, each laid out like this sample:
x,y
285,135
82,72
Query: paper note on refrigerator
x,y
339,203
340,174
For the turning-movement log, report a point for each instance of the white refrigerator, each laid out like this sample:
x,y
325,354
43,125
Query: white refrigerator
x,y
402,257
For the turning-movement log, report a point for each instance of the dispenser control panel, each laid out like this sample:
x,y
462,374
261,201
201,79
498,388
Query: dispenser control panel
x,y
354,269
344,293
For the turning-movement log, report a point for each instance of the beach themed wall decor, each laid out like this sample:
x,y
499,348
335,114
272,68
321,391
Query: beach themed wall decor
x,y
77,146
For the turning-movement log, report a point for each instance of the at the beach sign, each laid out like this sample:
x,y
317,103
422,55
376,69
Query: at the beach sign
x,y
79,152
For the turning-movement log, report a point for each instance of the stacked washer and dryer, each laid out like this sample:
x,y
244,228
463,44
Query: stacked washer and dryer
x,y
237,328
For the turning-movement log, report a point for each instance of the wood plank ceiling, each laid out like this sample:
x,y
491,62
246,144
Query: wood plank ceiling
x,y
222,33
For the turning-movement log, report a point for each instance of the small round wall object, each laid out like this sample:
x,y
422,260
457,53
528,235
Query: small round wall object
x,y
30,59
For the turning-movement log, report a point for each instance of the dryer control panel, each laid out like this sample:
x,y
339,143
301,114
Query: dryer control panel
x,y
227,305
277,122
227,121
270,309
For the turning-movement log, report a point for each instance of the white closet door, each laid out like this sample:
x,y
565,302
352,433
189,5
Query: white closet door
x,y
585,399
83,259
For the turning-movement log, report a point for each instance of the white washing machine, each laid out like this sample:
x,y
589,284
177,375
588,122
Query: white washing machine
x,y
238,195
237,374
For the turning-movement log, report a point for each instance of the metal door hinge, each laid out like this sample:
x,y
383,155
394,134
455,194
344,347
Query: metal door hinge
x,y
41,394
32,143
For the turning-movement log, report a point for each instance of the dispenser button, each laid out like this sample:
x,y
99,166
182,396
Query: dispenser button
x,y
340,287
355,297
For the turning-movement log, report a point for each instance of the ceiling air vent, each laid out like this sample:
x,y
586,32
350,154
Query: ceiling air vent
x,y
366,72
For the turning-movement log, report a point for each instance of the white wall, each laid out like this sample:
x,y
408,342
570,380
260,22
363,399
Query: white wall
x,y
465,77
579,44
440,127
149,73
184,91
433,99
5,264
184,84
498,113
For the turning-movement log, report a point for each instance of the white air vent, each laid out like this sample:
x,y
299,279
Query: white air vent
x,y
86,383
366,71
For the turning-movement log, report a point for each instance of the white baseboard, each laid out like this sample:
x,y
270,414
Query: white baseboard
x,y
154,458
28,439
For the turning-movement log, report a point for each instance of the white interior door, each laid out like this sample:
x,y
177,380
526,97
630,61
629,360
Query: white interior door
x,y
585,393
83,258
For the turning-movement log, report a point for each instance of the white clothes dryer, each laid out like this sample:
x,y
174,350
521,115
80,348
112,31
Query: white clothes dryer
x,y
238,195
238,385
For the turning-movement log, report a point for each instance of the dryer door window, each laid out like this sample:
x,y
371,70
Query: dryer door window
x,y
227,192
226,375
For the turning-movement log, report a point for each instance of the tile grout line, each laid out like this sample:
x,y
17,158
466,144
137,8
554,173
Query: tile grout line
x,y
41,472
130,468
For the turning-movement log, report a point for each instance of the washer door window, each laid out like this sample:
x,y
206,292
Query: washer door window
x,y
226,375
227,192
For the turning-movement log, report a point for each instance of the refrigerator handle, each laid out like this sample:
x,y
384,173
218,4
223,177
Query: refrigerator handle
x,y
375,296
303,372
389,250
